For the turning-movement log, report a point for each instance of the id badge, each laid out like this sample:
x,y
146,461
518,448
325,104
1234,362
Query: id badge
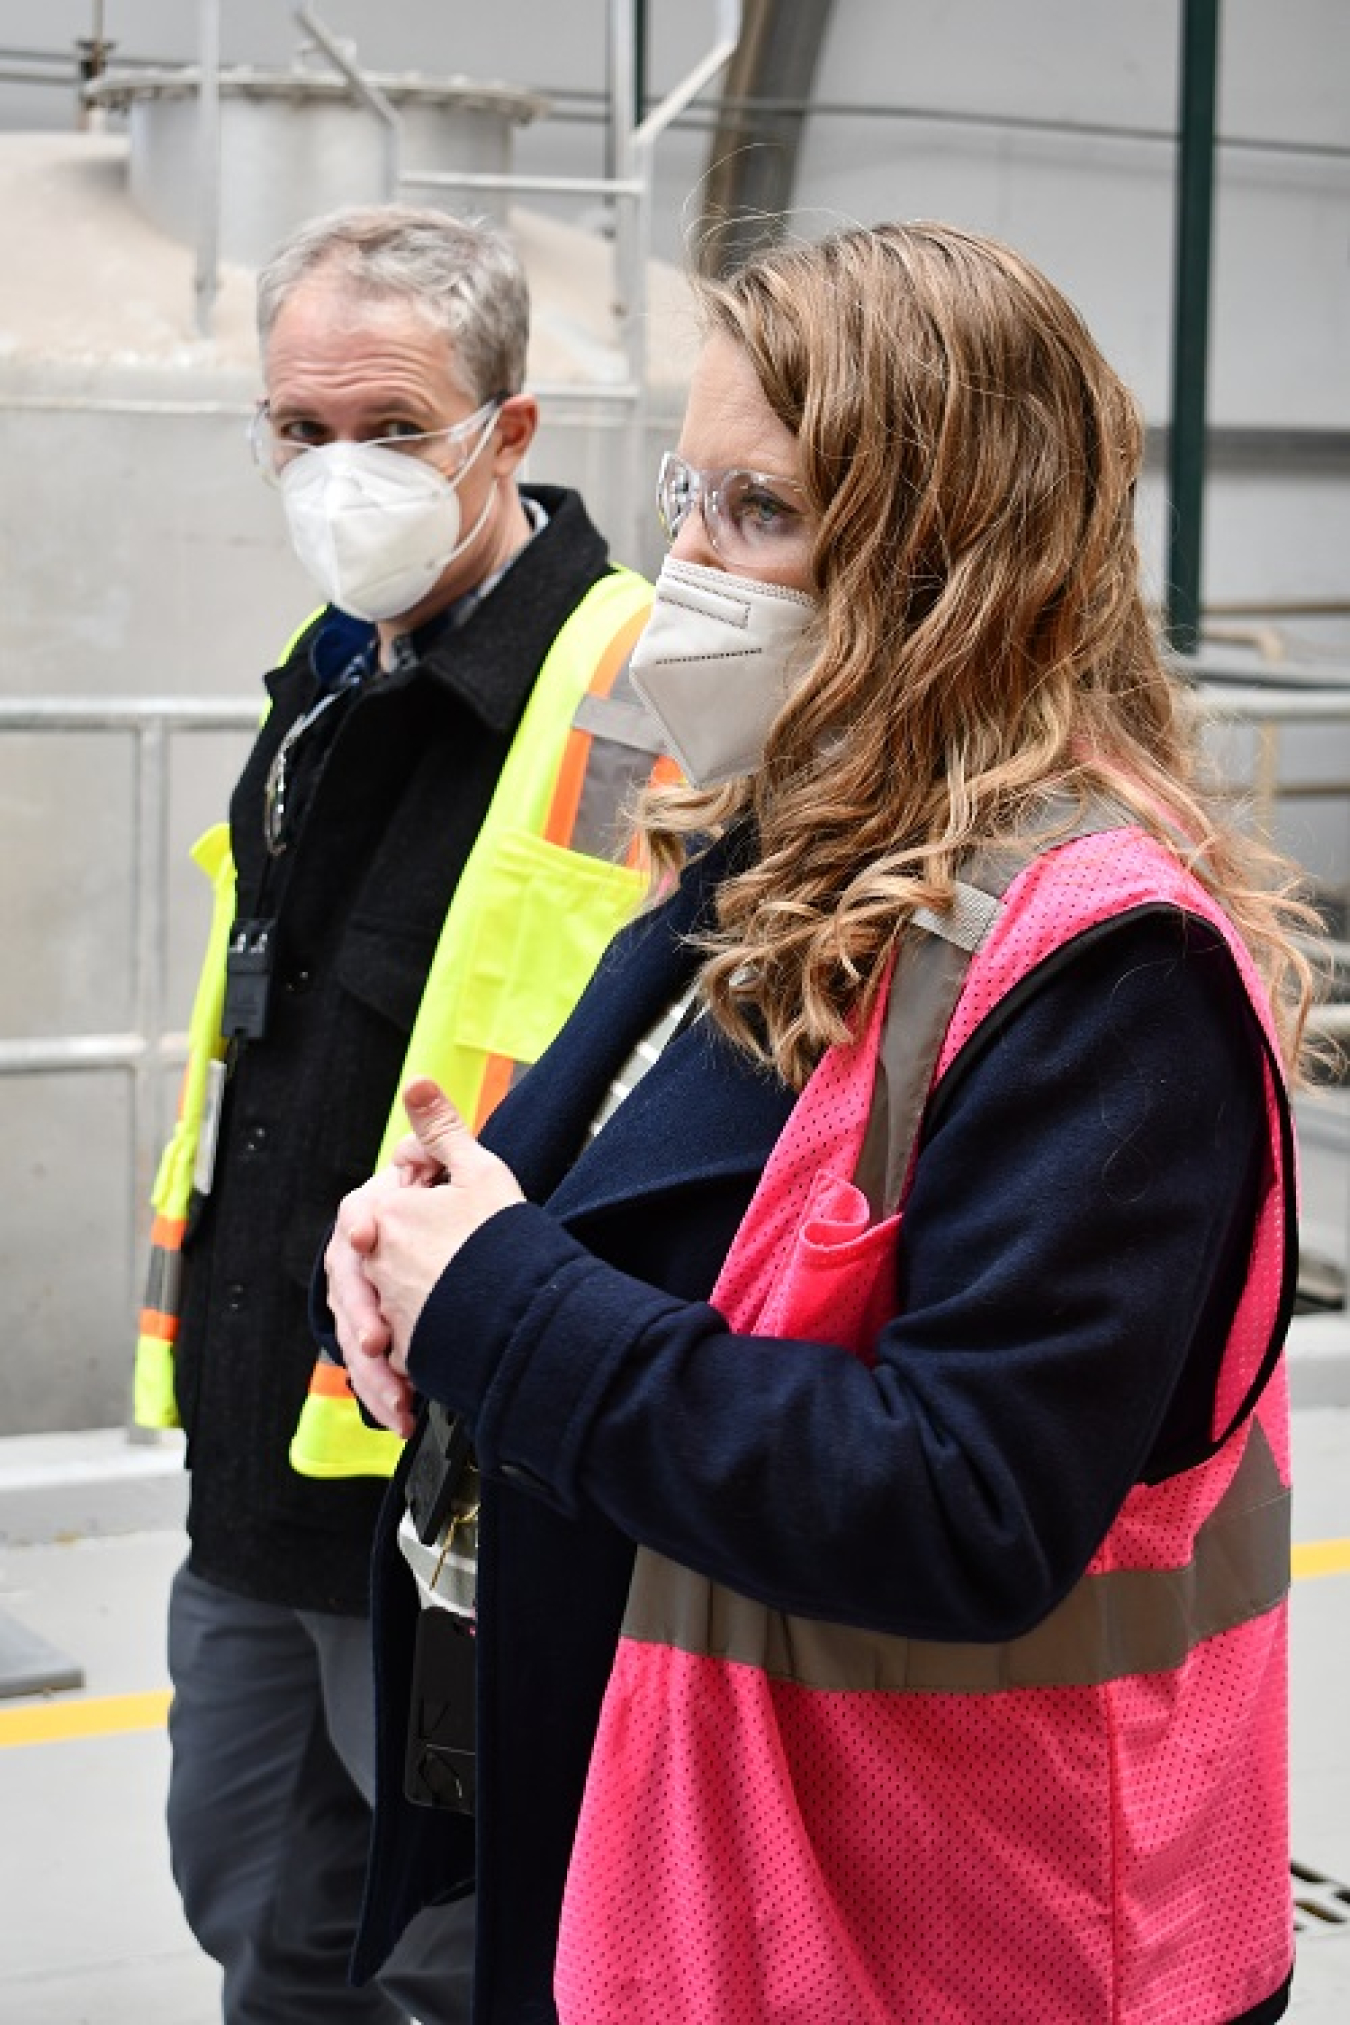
x,y
204,1161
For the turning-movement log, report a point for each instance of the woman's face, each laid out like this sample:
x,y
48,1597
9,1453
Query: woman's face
x,y
734,486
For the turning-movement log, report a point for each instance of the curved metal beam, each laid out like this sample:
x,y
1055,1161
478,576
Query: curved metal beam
x,y
752,156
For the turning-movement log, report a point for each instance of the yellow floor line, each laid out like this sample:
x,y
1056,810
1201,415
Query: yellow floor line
x,y
1321,1557
97,1716
56,1722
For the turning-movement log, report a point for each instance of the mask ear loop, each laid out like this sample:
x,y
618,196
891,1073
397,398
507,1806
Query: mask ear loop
x,y
466,541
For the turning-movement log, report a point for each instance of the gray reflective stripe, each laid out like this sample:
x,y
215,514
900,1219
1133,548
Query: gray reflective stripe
x,y
927,981
164,1281
623,722
625,743
930,972
1110,1627
614,773
966,922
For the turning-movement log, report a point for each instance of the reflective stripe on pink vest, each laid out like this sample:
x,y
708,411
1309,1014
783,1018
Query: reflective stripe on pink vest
x,y
787,1820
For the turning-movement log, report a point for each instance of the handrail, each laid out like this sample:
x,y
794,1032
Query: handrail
x,y
149,1047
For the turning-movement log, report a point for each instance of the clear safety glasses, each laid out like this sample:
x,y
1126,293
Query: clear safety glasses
x,y
274,447
751,517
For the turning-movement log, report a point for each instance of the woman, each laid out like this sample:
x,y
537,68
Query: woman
x,y
883,1533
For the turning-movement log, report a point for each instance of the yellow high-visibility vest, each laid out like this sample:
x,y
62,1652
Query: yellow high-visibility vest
x,y
532,911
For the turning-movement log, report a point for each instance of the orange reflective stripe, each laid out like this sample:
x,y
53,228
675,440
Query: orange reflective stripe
x,y
497,1073
167,1232
154,1322
562,814
329,1381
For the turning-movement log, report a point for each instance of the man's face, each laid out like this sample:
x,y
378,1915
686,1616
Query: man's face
x,y
339,367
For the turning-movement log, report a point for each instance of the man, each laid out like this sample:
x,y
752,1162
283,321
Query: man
x,y
416,875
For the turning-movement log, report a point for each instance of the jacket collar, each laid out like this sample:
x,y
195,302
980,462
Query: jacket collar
x,y
491,660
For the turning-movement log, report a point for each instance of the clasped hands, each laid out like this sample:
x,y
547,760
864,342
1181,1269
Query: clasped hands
x,y
395,1236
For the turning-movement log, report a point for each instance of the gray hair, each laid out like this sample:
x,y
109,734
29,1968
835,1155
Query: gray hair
x,y
463,275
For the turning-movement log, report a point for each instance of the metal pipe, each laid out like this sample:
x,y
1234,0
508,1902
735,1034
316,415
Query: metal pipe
x,y
480,179
728,34
206,279
1259,706
629,281
1190,320
641,49
633,241
34,1056
150,959
368,93
126,713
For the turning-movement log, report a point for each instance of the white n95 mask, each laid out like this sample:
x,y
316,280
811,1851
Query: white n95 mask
x,y
716,664
374,527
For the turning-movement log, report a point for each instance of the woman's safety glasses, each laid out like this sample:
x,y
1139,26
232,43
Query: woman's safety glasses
x,y
751,517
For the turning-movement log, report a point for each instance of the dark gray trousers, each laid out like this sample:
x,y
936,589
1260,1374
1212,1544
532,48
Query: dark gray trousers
x,y
272,1731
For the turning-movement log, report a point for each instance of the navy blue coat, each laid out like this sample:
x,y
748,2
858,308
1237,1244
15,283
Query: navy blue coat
x,y
1074,1244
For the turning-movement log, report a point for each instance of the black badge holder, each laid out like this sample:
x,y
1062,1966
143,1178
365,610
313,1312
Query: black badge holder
x,y
441,1765
248,980
439,1770
436,1472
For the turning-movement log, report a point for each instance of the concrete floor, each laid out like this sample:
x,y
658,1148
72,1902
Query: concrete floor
x,y
90,1535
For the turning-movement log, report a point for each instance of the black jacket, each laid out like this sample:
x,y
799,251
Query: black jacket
x,y
1102,1163
394,782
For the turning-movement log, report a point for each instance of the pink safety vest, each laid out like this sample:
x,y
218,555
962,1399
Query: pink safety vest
x,y
787,1820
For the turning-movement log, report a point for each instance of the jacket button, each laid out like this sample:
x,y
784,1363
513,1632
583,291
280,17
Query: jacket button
x,y
298,981
255,1139
234,1296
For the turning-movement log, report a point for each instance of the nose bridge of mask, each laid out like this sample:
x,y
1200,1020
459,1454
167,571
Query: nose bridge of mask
x,y
695,605
715,665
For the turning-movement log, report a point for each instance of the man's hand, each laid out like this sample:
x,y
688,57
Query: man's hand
x,y
417,1230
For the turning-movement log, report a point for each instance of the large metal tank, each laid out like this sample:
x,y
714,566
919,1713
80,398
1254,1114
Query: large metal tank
x,y
294,143
141,557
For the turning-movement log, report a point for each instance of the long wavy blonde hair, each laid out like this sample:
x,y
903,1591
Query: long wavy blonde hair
x,y
983,643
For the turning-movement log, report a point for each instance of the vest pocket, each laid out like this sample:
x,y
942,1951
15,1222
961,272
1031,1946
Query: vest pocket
x,y
837,1280
544,916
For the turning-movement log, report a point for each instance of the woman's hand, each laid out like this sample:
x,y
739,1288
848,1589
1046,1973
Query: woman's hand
x,y
406,1236
362,1332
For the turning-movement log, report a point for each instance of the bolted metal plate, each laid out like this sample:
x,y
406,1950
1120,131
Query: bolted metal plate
x,y
1321,1903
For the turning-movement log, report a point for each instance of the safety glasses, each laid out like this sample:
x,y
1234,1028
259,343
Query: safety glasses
x,y
752,518
274,448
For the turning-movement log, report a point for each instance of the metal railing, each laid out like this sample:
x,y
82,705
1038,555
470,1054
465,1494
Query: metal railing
x,y
1232,693
150,1045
